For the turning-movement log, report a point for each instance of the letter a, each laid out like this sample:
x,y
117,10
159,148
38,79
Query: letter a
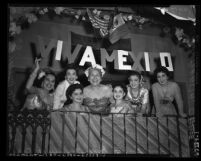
x,y
88,56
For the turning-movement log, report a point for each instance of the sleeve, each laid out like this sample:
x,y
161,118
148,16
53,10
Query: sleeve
x,y
178,98
146,97
57,97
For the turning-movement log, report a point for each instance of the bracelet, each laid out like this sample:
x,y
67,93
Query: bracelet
x,y
33,74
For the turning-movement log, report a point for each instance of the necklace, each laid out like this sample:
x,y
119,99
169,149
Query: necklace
x,y
132,94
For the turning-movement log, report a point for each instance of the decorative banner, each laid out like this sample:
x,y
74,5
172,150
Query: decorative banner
x,y
59,49
147,64
88,56
123,60
162,57
181,12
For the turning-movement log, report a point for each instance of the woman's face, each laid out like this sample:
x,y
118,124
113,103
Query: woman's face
x,y
71,76
77,96
48,82
162,78
118,93
134,81
94,77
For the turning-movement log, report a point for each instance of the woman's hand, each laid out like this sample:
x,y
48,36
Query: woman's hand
x,y
37,60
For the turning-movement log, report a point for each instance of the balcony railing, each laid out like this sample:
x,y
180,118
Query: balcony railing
x,y
82,133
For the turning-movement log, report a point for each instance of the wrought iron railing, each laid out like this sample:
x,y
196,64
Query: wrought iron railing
x,y
82,133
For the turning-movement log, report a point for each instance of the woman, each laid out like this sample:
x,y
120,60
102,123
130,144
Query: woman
x,y
137,95
164,92
96,95
74,95
120,105
40,97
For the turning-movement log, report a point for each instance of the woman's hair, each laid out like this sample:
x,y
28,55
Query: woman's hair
x,y
163,70
70,91
71,67
91,69
123,86
47,71
136,74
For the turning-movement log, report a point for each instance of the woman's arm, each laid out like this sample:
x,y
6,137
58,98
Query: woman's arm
x,y
179,100
156,98
145,101
58,95
33,75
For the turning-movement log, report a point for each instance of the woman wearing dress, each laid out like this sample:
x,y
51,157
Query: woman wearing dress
x,y
120,105
96,95
40,97
137,95
164,92
74,101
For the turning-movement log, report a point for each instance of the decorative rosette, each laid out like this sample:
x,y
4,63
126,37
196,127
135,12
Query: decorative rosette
x,y
95,66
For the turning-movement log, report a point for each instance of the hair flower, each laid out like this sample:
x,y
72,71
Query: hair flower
x,y
41,74
95,66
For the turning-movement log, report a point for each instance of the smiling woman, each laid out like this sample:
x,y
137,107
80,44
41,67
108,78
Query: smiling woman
x,y
40,97
74,101
164,92
96,95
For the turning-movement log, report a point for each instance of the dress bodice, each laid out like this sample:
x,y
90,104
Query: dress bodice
x,y
142,97
97,105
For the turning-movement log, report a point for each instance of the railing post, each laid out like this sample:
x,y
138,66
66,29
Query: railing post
x,y
13,138
168,135
88,132
124,134
101,133
76,133
158,135
33,145
179,137
23,136
147,133
136,133
112,135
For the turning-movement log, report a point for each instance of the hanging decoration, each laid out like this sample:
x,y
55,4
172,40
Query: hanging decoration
x,y
180,12
109,25
98,22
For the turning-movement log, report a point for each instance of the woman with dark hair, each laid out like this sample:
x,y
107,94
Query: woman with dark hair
x,y
40,97
120,105
74,95
164,92
137,94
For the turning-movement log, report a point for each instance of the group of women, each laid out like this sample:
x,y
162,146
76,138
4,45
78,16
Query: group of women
x,y
105,99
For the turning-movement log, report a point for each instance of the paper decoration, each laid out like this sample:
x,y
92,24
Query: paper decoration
x,y
118,33
147,64
99,23
88,56
117,22
122,59
59,50
162,58
119,57
181,12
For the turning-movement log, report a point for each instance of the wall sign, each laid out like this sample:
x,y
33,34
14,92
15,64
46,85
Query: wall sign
x,y
119,57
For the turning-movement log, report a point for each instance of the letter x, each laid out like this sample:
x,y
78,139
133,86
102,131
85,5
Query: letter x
x,y
136,60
